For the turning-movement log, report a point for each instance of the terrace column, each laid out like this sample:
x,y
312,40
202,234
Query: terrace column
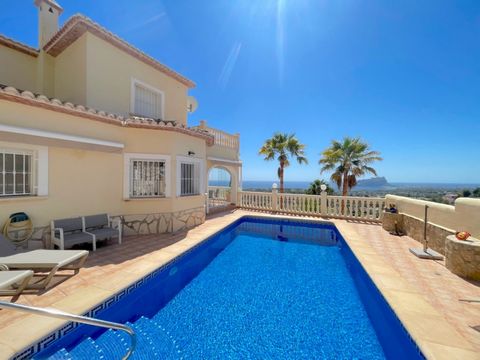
x,y
323,203
207,209
274,197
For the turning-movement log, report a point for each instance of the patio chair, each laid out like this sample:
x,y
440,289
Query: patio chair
x,y
13,282
69,232
41,261
103,227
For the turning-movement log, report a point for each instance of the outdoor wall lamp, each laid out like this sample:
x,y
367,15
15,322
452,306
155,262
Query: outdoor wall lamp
x,y
191,153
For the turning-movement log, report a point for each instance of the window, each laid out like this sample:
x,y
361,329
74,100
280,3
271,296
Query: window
x,y
146,176
23,170
188,176
16,173
189,180
147,101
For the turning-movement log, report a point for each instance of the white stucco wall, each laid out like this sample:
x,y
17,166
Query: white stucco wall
x,y
464,216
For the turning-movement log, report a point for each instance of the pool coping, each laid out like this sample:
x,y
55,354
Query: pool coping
x,y
433,335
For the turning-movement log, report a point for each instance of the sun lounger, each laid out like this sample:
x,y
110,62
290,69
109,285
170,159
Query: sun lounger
x,y
43,261
103,227
68,232
13,282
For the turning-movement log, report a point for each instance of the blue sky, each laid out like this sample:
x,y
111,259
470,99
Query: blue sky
x,y
404,75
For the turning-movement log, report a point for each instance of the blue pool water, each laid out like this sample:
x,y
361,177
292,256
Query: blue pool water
x,y
261,289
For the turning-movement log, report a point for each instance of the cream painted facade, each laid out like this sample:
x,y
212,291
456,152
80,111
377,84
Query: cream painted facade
x,y
18,69
85,165
70,73
109,84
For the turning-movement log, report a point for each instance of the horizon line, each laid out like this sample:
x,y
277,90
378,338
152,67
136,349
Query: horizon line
x,y
390,182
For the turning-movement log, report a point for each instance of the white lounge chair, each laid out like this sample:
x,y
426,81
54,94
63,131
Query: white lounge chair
x,y
13,282
41,261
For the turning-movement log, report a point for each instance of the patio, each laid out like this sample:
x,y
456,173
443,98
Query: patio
x,y
413,287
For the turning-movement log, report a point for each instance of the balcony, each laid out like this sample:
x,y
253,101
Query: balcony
x,y
226,146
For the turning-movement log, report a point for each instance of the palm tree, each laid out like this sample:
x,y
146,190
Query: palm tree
x,y
315,188
348,159
282,146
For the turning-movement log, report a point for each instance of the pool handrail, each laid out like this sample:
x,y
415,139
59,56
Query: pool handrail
x,y
55,313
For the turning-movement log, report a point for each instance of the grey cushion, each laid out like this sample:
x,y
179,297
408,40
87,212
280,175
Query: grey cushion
x,y
104,233
71,224
96,221
77,238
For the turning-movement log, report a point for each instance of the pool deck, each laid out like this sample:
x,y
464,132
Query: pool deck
x,y
423,293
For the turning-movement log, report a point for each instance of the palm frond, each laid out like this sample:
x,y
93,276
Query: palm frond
x,y
351,156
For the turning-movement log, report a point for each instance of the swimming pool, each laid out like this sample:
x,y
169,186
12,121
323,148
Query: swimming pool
x,y
261,288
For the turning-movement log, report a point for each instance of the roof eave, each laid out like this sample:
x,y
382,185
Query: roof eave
x,y
15,45
78,24
28,98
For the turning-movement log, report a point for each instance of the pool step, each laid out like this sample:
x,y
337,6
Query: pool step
x,y
114,344
171,348
61,354
87,349
165,345
153,342
146,340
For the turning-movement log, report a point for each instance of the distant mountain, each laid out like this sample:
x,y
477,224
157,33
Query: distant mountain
x,y
376,182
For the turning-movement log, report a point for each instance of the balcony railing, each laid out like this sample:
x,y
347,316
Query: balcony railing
x,y
345,207
219,197
220,193
222,138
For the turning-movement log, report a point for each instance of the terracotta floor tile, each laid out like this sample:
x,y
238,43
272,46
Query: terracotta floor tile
x,y
115,264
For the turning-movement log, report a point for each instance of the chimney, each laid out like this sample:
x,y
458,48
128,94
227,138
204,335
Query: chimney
x,y
48,13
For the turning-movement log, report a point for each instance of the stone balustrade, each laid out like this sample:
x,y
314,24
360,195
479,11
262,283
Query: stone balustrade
x,y
344,207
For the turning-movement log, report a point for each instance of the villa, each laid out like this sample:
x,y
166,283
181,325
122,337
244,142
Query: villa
x,y
95,139
89,124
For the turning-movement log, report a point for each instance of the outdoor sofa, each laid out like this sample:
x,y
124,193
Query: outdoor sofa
x,y
103,227
84,229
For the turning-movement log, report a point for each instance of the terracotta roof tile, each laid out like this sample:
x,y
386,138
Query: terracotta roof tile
x,y
78,24
15,45
26,97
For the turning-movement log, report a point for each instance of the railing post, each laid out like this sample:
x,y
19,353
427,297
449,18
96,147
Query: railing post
x,y
323,202
207,208
274,197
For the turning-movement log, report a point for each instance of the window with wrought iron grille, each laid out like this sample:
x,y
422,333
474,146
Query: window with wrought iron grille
x,y
147,178
16,173
189,179
147,101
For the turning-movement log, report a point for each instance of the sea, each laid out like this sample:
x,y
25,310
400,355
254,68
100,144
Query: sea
x,y
262,184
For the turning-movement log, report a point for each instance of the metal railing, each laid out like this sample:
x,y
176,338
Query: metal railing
x,y
218,197
221,193
54,313
344,207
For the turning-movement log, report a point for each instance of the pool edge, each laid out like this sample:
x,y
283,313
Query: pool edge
x,y
389,282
